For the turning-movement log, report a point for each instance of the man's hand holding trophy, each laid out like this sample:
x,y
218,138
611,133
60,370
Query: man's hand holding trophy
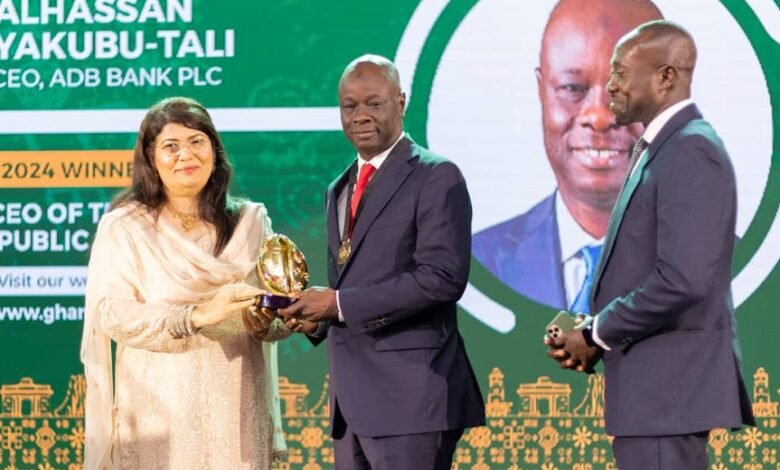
x,y
281,268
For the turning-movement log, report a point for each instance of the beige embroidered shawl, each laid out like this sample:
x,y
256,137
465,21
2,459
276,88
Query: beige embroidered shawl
x,y
175,398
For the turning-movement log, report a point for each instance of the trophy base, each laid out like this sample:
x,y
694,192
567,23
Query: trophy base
x,y
274,302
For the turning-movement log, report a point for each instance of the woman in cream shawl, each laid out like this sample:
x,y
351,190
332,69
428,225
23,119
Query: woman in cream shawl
x,y
172,281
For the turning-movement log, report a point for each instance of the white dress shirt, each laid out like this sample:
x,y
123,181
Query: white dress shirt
x,y
342,203
573,239
650,133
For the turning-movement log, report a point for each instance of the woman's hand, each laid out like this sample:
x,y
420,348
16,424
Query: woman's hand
x,y
230,298
257,320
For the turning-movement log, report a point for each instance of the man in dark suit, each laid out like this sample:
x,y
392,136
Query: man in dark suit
x,y
399,237
662,293
548,253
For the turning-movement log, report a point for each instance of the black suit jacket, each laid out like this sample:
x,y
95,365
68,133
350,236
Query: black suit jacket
x,y
663,290
398,364
524,253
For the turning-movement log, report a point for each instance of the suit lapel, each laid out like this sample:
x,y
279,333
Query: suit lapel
x,y
534,266
686,114
389,179
331,198
617,214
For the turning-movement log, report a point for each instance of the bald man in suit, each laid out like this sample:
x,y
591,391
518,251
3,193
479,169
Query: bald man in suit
x,y
664,318
399,236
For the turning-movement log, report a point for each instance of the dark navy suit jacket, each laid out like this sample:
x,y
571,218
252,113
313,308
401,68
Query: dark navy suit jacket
x,y
525,254
398,364
662,291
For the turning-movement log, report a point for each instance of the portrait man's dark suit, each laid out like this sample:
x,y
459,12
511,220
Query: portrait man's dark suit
x,y
525,254
398,364
663,292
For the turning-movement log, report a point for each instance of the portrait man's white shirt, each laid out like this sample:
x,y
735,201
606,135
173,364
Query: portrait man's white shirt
x,y
573,239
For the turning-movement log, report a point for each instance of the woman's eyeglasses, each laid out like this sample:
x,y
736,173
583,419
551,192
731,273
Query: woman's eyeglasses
x,y
196,146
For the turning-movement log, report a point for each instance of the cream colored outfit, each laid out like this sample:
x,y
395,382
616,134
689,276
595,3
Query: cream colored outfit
x,y
207,401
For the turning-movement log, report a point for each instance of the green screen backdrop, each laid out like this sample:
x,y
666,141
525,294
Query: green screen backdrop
x,y
76,77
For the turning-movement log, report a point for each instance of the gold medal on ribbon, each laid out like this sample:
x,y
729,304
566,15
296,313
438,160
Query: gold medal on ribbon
x,y
344,251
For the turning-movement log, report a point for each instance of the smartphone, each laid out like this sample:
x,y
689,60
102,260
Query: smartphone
x,y
563,323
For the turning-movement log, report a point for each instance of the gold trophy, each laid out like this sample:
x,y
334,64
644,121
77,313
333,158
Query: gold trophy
x,y
282,271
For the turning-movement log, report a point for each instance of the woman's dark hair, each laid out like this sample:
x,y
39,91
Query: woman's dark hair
x,y
214,205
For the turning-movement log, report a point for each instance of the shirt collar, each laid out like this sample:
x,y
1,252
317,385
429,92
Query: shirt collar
x,y
572,237
658,122
378,160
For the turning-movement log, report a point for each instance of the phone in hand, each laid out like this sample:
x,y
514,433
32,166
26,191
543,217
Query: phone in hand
x,y
563,323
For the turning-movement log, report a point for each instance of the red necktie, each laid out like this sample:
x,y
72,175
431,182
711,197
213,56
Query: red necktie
x,y
366,171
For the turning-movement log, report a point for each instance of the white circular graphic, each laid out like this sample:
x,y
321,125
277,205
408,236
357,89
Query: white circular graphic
x,y
484,111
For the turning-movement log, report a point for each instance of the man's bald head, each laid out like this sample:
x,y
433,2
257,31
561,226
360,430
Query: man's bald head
x,y
371,104
587,150
593,17
386,66
663,43
652,69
